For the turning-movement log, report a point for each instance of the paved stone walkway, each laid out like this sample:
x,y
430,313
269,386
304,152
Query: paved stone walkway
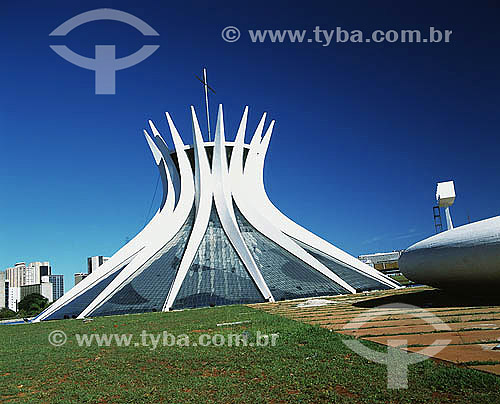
x,y
471,324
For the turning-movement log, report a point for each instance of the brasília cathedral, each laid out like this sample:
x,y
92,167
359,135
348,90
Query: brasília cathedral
x,y
216,239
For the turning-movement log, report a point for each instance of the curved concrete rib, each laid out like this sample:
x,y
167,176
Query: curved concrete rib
x,y
90,281
254,179
166,226
203,194
223,202
167,158
243,192
168,198
236,164
122,256
256,138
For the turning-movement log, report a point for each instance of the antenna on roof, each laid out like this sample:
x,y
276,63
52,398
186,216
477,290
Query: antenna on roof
x,y
207,87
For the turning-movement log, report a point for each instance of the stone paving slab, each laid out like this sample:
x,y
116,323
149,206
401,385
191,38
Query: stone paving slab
x,y
487,325
464,353
383,330
456,337
410,319
340,313
336,318
388,323
475,329
488,368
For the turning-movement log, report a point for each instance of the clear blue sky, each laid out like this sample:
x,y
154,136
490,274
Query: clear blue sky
x,y
363,133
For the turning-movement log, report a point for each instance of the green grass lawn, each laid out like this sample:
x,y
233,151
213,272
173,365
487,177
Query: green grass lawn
x,y
403,280
308,365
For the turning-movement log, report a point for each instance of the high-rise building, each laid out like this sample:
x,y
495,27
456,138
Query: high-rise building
x,y
216,239
80,276
40,269
22,274
384,262
4,291
17,275
57,282
30,275
95,262
43,288
14,297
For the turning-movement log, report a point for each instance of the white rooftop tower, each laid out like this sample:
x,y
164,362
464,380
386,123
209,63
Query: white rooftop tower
x,y
445,197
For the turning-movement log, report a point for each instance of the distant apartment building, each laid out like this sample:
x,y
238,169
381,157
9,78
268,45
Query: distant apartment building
x,y
40,269
384,262
21,274
29,277
92,264
21,280
14,297
4,291
95,262
16,275
57,282
43,288
80,276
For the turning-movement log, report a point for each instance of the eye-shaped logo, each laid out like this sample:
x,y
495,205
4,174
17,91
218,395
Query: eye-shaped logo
x,y
105,63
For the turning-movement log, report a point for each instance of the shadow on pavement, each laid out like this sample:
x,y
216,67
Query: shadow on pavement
x,y
437,298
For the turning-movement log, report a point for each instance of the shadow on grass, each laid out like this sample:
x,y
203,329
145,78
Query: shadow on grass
x,y
435,298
